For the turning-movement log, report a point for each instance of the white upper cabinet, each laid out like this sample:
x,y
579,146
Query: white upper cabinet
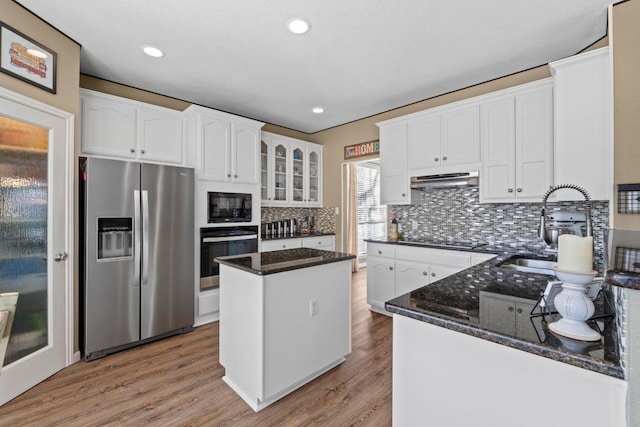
x,y
122,128
583,117
436,141
291,171
444,140
161,134
460,137
228,146
517,144
394,178
423,142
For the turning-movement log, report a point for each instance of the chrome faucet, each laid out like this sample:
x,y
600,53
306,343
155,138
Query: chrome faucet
x,y
550,234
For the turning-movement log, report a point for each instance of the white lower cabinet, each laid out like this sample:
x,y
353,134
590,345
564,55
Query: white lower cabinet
x,y
326,243
380,282
410,275
394,270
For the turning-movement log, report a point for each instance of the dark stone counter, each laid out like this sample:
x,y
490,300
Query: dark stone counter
x,y
455,303
263,263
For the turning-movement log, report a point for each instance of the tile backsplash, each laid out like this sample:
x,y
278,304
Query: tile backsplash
x,y
325,218
457,214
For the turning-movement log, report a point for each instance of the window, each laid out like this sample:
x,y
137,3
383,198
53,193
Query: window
x,y
372,217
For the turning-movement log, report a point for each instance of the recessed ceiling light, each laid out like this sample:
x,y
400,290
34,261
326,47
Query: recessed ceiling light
x,y
153,51
318,110
298,26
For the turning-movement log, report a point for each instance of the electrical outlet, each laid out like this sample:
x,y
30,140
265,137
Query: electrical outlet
x,y
313,306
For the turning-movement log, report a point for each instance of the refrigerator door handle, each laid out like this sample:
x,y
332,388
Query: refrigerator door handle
x,y
145,237
136,237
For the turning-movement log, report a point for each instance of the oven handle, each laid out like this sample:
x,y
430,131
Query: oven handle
x,y
229,238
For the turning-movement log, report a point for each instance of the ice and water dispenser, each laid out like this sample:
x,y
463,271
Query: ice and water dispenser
x,y
115,238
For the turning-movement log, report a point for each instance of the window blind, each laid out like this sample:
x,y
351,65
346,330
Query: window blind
x,y
372,217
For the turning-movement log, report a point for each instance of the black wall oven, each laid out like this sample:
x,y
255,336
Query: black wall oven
x,y
228,207
222,241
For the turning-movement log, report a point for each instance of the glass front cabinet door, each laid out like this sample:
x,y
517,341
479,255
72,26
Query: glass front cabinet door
x,y
314,194
290,171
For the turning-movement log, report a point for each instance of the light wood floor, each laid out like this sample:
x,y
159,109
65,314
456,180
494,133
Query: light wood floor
x,y
177,381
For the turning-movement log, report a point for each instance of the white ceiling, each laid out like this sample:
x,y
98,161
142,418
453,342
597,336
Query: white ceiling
x,y
361,57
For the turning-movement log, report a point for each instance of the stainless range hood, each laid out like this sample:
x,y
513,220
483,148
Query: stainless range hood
x,y
447,180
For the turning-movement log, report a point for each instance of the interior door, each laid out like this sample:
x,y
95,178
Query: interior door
x,y
35,143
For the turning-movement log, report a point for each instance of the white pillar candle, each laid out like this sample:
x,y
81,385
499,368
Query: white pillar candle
x,y
575,253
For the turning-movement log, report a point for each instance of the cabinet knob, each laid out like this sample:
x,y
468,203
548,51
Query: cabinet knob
x,y
379,252
390,268
444,158
519,190
510,309
424,273
433,274
519,311
235,176
132,150
436,159
510,190
142,151
228,175
284,246
404,195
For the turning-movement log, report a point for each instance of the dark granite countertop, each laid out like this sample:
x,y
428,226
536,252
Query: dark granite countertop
x,y
263,263
455,303
622,258
296,236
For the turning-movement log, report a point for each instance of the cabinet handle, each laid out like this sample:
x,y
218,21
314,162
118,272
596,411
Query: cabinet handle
x,y
510,190
510,309
436,159
433,274
132,150
519,311
519,190
142,151
444,158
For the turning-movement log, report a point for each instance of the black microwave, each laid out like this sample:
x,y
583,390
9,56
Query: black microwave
x,y
228,207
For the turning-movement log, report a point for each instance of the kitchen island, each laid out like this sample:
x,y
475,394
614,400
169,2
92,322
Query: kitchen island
x,y
285,319
474,348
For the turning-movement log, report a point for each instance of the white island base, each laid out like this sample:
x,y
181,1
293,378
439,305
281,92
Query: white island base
x,y
279,331
445,378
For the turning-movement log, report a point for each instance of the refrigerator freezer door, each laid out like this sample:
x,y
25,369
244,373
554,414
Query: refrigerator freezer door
x,y
111,293
168,296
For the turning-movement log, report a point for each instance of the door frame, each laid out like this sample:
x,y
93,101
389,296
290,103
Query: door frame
x,y
70,165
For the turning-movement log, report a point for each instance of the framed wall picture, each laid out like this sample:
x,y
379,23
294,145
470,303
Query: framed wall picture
x,y
26,59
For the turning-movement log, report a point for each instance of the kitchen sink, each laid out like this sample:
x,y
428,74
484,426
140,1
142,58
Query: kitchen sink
x,y
529,264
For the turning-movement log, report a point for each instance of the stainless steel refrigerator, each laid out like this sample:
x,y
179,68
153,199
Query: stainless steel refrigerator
x,y
138,244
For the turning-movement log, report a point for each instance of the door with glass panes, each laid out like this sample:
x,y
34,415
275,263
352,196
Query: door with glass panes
x,y
35,159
